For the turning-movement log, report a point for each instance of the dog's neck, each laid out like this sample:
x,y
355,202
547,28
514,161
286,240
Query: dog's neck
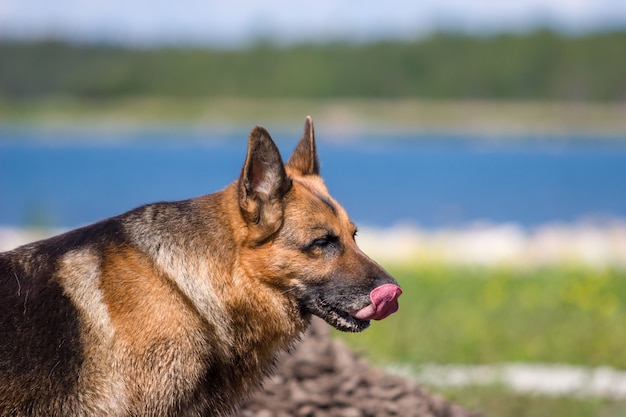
x,y
257,321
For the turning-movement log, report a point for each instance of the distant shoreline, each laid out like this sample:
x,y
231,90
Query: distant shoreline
x,y
485,117
590,244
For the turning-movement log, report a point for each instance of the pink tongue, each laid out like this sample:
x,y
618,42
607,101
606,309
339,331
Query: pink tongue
x,y
384,302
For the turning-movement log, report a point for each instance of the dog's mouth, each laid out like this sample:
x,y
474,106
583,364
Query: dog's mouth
x,y
336,317
383,302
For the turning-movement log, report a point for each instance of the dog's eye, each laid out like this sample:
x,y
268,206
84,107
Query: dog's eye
x,y
324,242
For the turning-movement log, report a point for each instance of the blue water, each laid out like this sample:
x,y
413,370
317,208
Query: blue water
x,y
73,177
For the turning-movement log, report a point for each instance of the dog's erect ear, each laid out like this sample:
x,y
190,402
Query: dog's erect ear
x,y
262,185
304,159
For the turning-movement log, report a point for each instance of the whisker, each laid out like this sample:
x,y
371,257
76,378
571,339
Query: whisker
x,y
19,286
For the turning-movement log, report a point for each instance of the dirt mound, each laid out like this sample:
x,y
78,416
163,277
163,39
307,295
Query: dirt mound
x,y
324,378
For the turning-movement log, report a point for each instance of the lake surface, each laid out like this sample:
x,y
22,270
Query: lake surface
x,y
67,178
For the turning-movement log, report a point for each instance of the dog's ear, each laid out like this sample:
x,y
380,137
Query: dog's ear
x,y
262,185
304,158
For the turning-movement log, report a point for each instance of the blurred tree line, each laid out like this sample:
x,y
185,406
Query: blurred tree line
x,y
541,65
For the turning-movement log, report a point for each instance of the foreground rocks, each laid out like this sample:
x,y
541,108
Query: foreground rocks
x,y
324,378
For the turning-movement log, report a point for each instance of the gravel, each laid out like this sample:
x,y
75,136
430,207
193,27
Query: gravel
x,y
324,378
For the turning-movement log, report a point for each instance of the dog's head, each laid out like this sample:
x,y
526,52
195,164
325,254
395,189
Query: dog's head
x,y
302,240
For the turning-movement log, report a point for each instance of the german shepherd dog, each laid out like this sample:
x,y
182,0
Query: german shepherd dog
x,y
180,308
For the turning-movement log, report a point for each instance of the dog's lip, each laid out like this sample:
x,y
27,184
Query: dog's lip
x,y
337,317
384,302
351,323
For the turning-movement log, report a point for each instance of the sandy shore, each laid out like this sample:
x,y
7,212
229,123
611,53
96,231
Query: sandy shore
x,y
594,244
496,118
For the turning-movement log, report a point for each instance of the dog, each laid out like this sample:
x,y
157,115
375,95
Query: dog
x,y
181,308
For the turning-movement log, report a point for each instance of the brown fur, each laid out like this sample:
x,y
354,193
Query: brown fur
x,y
180,308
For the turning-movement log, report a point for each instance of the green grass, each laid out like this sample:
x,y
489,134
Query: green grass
x,y
467,315
481,316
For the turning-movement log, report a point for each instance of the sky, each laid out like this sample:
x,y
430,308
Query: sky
x,y
238,22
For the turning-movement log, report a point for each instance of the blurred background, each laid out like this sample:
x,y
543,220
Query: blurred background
x,y
479,146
